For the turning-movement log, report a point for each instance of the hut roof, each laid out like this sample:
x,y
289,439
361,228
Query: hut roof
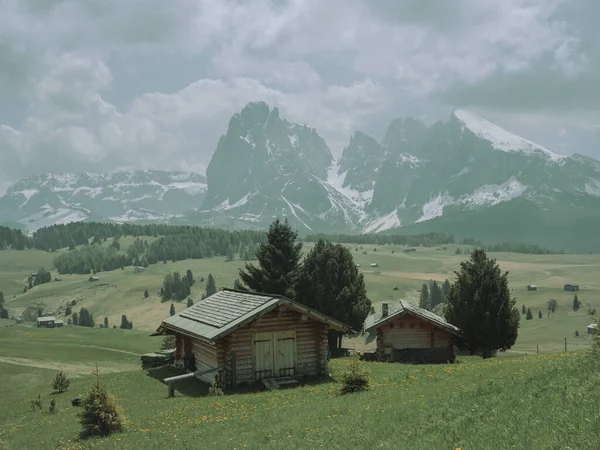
x,y
46,319
402,308
225,311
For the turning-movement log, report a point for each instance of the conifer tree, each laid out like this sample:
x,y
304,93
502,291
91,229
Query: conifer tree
x,y
436,297
146,293
172,309
446,288
190,277
211,286
523,309
105,322
75,319
330,282
576,303
278,262
479,303
529,315
424,301
190,302
540,315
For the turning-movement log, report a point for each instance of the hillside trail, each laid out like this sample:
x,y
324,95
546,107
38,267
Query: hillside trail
x,y
71,368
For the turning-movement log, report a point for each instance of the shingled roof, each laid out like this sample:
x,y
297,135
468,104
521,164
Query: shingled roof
x,y
402,308
227,310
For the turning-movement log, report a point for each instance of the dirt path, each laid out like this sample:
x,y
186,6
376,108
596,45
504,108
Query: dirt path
x,y
81,369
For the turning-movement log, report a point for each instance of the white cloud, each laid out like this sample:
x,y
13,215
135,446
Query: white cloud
x,y
337,66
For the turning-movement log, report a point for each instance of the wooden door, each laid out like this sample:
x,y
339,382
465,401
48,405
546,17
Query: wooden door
x,y
285,354
264,356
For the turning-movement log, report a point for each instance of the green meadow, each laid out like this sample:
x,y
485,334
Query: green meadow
x,y
122,291
519,400
528,402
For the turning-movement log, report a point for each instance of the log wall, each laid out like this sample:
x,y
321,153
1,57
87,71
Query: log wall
x,y
412,339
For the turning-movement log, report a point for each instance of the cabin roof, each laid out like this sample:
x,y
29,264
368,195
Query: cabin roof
x,y
225,311
593,325
46,319
401,308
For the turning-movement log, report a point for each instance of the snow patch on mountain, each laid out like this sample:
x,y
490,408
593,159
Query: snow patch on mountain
x,y
189,187
492,194
593,187
225,205
383,223
132,215
435,207
499,137
293,211
336,180
47,215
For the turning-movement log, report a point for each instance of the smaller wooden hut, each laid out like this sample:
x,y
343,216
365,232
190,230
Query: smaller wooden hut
x,y
592,327
406,333
571,287
47,322
241,337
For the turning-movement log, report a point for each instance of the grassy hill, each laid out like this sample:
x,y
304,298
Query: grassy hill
x,y
534,402
122,291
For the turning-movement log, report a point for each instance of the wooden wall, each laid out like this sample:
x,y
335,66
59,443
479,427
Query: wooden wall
x,y
311,347
410,332
311,343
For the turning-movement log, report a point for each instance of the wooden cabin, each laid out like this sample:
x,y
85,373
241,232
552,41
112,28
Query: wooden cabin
x,y
237,337
532,287
406,333
571,287
46,322
592,327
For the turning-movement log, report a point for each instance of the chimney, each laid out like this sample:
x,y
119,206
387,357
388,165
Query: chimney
x,y
384,309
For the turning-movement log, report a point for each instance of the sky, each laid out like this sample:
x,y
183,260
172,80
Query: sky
x,y
106,85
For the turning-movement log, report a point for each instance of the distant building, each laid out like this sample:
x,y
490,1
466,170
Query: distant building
x,y
532,287
592,327
46,322
571,287
138,269
93,278
374,265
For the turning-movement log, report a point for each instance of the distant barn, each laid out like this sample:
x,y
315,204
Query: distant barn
x,y
592,327
571,287
374,265
49,322
407,333
532,287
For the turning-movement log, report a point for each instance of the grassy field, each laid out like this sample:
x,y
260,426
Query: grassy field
x,y
122,291
535,402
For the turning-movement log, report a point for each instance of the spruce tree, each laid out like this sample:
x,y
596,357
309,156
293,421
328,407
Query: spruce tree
x,y
105,322
330,282
211,286
479,303
523,309
100,415
190,277
146,293
278,262
529,315
424,300
436,297
236,284
446,288
172,309
540,315
190,302
75,319
576,303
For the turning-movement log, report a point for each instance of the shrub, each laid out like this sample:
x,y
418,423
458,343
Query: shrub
x,y
168,343
355,379
100,416
52,407
61,382
215,390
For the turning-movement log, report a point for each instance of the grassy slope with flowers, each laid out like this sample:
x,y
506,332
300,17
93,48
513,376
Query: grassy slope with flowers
x,y
535,402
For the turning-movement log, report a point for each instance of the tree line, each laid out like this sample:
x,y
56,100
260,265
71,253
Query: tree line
x,y
425,239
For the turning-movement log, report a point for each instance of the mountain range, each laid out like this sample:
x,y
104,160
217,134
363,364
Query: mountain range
x,y
464,176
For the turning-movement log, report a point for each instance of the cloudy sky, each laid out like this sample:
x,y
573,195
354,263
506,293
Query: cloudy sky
x,y
102,85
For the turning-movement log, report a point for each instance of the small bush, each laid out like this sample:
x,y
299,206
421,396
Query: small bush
x,y
61,382
355,379
100,416
168,343
215,390
52,407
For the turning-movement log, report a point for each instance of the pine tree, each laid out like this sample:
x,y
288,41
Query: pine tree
x,y
540,315
211,286
172,309
100,415
479,303
424,301
446,288
330,282
236,284
146,293
190,302
61,382
576,303
105,322
124,323
190,277
75,319
529,315
552,305
278,262
436,297
230,253
523,309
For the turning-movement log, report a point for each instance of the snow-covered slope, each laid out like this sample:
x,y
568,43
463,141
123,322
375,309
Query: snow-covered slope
x,y
499,138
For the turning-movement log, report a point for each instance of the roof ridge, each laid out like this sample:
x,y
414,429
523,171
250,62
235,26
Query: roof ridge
x,y
258,294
